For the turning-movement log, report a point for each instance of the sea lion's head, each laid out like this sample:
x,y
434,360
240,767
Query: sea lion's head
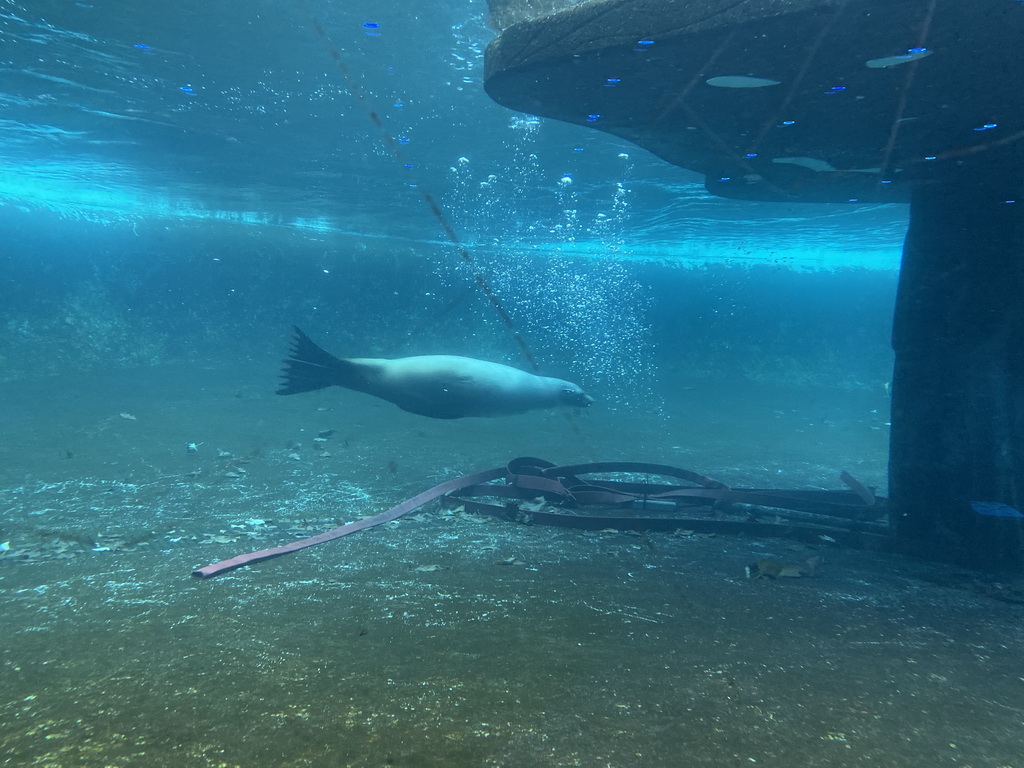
x,y
572,394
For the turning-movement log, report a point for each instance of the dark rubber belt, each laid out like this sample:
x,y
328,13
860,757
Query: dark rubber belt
x,y
529,477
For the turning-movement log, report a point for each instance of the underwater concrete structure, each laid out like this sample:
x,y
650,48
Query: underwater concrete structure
x,y
860,101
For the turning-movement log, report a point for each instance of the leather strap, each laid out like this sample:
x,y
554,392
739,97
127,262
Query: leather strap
x,y
410,505
529,477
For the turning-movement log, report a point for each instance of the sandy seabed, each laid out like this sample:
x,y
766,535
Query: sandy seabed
x,y
416,644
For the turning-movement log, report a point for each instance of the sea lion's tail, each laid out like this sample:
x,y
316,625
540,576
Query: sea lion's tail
x,y
309,367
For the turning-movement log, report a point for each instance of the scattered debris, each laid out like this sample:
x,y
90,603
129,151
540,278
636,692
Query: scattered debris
x,y
219,539
64,544
533,505
510,561
767,568
68,536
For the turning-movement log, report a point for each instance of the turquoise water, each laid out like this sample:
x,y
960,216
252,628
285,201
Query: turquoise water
x,y
235,112
180,184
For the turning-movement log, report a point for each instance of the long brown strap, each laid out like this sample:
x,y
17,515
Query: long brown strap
x,y
528,477
410,505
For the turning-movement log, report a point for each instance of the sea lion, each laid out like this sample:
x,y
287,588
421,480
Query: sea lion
x,y
438,386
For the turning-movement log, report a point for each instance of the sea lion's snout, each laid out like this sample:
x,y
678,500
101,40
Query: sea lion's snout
x,y
576,397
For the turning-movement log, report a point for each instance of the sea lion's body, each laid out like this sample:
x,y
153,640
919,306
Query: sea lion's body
x,y
439,386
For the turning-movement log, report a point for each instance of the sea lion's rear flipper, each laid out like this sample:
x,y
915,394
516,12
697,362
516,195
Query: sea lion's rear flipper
x,y
309,367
